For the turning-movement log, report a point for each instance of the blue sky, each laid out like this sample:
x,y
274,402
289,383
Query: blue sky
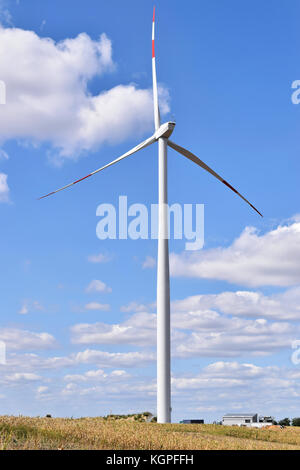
x,y
79,99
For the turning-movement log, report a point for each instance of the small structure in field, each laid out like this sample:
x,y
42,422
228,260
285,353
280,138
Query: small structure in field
x,y
192,421
264,421
247,419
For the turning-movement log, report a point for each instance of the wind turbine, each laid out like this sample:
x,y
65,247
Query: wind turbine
x,y
161,135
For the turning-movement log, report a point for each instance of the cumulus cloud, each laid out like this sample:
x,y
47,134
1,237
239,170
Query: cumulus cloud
x,y
111,387
107,359
99,258
17,339
136,307
3,155
252,260
97,375
282,306
233,386
98,286
214,389
24,309
102,359
149,262
215,330
139,329
115,384
97,306
21,377
226,374
218,337
50,101
5,15
42,390
30,306
195,333
4,189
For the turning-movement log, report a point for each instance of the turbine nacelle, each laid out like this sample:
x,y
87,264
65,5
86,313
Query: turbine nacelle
x,y
165,130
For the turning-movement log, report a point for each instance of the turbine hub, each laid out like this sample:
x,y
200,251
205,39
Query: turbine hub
x,y
165,130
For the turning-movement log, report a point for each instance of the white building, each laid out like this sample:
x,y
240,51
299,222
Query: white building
x,y
246,419
239,419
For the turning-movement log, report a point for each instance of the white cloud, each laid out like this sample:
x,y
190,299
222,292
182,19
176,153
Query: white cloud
x,y
136,307
139,329
50,102
97,375
195,333
223,375
98,286
17,339
119,373
232,386
43,23
282,306
42,390
107,359
24,309
30,306
70,389
117,386
102,359
215,389
99,258
235,338
210,333
149,262
97,306
5,15
4,189
252,260
20,377
3,155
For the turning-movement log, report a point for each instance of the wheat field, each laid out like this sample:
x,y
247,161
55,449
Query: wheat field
x,y
98,433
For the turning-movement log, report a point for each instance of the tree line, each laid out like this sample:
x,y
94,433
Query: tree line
x,y
288,422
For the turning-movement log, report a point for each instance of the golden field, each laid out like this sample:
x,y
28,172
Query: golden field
x,y
98,433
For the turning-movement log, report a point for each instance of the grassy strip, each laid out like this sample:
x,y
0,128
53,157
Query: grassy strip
x,y
16,436
286,436
96,433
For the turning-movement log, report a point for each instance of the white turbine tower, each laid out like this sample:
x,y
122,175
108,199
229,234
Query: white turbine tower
x,y
161,135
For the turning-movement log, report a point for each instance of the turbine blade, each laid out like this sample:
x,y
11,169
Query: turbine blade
x,y
155,93
141,146
203,165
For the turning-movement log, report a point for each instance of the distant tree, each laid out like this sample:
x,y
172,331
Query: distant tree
x,y
274,422
296,422
284,422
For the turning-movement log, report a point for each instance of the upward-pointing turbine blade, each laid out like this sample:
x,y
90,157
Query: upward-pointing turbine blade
x,y
155,93
141,146
203,165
